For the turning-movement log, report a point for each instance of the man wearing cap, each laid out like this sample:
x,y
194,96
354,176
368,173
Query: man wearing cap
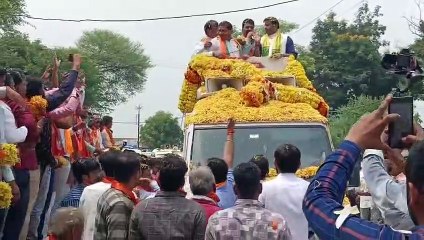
x,y
274,43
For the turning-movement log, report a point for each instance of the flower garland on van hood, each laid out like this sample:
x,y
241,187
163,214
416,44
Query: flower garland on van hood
x,y
228,103
258,93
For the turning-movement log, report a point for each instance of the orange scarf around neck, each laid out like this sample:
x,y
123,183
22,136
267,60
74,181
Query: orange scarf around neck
x,y
127,192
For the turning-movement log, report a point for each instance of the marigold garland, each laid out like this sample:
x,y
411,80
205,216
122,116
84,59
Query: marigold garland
x,y
253,94
187,97
256,102
5,195
38,106
9,155
228,103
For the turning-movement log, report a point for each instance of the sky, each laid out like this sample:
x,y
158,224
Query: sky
x,y
170,43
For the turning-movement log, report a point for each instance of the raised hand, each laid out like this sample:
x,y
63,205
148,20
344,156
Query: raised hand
x,y
367,132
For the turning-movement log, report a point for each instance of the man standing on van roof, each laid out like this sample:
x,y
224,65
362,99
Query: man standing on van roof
x,y
274,42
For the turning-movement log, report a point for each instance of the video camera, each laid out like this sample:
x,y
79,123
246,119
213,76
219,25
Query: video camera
x,y
403,63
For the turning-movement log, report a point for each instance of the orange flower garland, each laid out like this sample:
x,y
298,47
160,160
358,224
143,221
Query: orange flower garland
x,y
38,107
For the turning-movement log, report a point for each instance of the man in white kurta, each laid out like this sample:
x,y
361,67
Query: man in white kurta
x,y
285,193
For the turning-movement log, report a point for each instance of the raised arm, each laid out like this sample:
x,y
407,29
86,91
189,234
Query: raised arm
x,y
55,72
229,144
58,97
325,193
67,109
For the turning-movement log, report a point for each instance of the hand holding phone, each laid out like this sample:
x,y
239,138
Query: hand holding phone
x,y
404,126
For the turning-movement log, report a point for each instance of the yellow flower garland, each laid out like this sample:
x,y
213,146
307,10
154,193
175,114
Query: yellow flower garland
x,y
9,155
5,195
38,106
188,97
228,103
253,94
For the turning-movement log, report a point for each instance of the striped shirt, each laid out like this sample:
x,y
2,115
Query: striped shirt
x,y
113,216
325,194
73,197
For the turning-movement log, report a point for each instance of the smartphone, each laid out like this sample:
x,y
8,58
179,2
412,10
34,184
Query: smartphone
x,y
71,57
404,126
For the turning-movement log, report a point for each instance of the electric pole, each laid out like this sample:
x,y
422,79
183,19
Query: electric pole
x,y
138,125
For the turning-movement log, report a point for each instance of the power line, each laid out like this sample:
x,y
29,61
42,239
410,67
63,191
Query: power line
x,y
159,18
322,14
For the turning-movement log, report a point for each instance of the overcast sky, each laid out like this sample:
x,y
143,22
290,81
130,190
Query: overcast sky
x,y
169,43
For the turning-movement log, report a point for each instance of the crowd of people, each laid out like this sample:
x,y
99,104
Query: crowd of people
x,y
72,182
220,42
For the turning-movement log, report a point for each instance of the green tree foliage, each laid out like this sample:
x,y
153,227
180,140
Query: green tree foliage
x,y
113,73
347,115
285,27
11,14
347,61
161,129
121,63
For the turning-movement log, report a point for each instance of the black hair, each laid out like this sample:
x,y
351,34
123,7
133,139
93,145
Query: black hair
x,y
127,164
247,177
8,81
248,21
3,71
262,162
18,77
106,120
226,24
273,21
84,167
172,173
415,166
287,158
34,87
108,161
219,169
209,25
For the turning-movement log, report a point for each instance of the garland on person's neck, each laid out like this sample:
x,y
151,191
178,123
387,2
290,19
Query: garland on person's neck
x,y
267,44
127,192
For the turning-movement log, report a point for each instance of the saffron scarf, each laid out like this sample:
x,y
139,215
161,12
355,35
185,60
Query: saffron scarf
x,y
267,44
223,48
127,192
109,133
108,180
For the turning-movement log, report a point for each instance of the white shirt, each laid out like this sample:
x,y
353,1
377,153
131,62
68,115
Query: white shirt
x,y
232,47
284,195
272,43
88,205
9,133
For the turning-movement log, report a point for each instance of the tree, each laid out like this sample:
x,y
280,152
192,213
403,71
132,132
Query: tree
x,y
347,60
285,27
349,114
121,65
116,72
11,14
161,129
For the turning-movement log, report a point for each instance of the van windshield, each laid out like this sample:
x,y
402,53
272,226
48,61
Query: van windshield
x,y
312,141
